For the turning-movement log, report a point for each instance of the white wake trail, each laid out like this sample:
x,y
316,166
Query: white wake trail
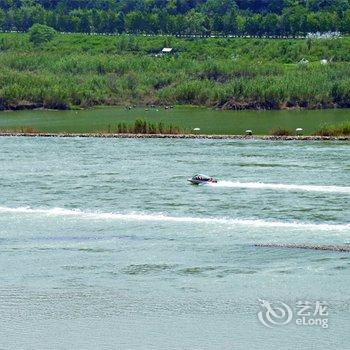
x,y
283,187
143,217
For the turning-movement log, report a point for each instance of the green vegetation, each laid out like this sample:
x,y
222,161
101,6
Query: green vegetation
x,y
141,126
81,71
281,132
253,17
40,34
22,129
342,129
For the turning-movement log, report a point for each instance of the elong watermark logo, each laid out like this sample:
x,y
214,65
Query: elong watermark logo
x,y
303,313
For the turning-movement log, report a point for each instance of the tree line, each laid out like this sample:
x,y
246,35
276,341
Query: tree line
x,y
240,17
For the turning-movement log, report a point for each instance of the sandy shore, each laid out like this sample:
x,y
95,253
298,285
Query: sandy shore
x,y
182,136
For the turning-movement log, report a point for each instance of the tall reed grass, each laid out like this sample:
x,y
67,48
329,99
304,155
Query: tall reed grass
x,y
142,126
79,70
342,129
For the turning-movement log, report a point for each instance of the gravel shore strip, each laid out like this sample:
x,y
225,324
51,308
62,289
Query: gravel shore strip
x,y
182,136
333,248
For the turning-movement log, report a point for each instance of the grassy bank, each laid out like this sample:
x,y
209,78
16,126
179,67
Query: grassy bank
x,y
342,129
83,71
140,126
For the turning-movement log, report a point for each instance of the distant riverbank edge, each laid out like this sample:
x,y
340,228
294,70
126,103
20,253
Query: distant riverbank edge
x,y
244,105
180,136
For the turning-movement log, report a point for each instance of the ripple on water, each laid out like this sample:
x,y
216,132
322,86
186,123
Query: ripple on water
x,y
197,270
240,271
74,249
144,269
285,272
321,259
219,271
79,267
341,267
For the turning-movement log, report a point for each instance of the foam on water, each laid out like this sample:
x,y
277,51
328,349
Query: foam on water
x,y
282,187
135,216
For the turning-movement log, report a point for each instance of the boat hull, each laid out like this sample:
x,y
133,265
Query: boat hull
x,y
198,182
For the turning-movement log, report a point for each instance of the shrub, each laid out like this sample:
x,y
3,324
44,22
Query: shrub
x,y
342,129
142,126
40,34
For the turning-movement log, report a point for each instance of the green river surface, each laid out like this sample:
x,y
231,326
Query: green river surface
x,y
208,120
105,245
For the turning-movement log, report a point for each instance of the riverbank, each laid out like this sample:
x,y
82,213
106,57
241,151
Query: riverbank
x,y
80,71
229,105
180,136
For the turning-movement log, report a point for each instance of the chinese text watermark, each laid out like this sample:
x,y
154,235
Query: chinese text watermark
x,y
302,313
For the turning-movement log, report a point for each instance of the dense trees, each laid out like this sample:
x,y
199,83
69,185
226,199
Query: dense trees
x,y
253,17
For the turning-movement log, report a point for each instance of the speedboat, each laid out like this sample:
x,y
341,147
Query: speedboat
x,y
202,179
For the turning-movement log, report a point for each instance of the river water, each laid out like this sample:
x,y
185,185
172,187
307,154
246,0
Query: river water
x,y
209,121
104,245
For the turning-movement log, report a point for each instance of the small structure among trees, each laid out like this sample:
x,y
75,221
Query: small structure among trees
x,y
167,50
